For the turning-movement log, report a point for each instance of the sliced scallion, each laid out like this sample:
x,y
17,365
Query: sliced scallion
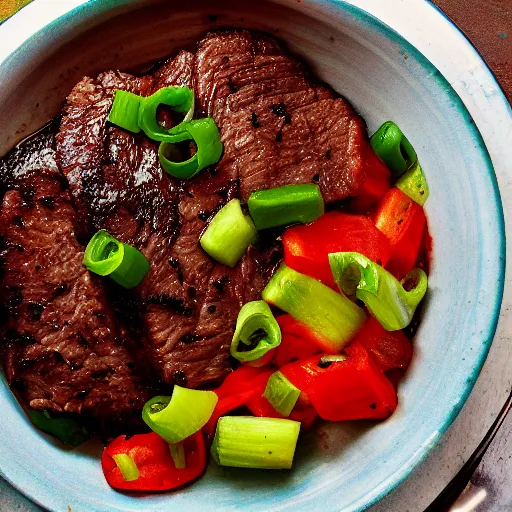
x,y
282,206
414,184
393,147
281,393
178,455
206,136
179,99
127,466
178,417
256,332
385,297
126,110
333,318
229,234
107,256
326,361
249,442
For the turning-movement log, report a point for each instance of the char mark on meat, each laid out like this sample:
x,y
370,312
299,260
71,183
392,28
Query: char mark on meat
x,y
62,348
277,125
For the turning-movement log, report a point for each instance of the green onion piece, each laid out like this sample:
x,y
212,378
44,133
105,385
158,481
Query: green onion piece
x,y
206,136
106,256
178,417
65,429
257,332
384,296
286,205
249,442
126,110
127,466
392,146
333,318
180,99
326,361
281,393
414,184
178,455
229,234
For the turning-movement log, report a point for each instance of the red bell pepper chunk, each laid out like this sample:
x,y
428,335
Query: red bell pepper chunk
x,y
306,247
237,390
152,456
389,349
297,341
375,186
305,414
402,221
348,390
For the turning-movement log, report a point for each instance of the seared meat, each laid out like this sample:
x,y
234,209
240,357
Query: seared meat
x,y
62,346
187,304
278,126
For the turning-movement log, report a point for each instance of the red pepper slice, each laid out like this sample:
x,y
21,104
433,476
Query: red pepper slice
x,y
389,349
402,221
376,184
296,342
348,390
305,414
152,456
306,248
237,390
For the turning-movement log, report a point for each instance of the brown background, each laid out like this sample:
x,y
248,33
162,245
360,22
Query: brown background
x,y
488,23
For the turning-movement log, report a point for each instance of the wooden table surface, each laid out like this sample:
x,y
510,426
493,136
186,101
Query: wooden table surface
x,y
488,24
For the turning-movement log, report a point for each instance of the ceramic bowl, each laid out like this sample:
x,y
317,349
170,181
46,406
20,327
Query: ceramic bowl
x,y
50,45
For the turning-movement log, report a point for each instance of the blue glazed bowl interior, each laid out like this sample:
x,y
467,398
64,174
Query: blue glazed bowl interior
x,y
339,466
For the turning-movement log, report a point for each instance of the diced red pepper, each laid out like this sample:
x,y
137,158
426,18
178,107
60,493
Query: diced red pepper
x,y
348,390
152,456
403,222
237,390
297,341
389,349
263,360
305,414
376,184
306,248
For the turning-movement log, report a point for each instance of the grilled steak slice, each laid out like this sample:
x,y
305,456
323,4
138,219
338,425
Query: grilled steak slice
x,y
63,349
279,125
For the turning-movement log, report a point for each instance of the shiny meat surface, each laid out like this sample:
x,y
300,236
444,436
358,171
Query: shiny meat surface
x,y
62,346
279,125
186,307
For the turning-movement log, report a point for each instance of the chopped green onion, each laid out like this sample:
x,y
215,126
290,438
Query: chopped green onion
x,y
127,466
392,146
178,455
286,205
384,296
106,256
281,393
414,184
333,318
326,361
65,429
229,234
249,442
178,417
126,110
205,134
257,332
180,99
